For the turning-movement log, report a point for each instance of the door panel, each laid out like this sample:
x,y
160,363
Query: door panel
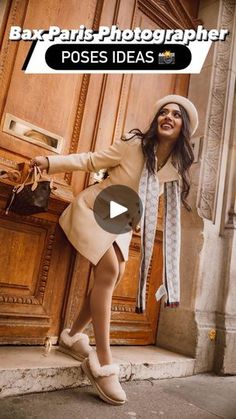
x,y
35,261
43,282
36,258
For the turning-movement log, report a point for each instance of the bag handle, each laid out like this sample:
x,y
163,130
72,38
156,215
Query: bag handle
x,y
39,175
36,175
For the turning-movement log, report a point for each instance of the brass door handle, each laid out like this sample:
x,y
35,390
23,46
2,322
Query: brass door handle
x,y
12,172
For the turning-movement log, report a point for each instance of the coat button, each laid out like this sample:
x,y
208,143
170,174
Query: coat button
x,y
137,228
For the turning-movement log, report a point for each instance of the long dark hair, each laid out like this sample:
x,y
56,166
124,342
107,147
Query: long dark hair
x,y
182,154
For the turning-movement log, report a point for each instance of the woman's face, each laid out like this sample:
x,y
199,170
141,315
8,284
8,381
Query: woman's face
x,y
169,122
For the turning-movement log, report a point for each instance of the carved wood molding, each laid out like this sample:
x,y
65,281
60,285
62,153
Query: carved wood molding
x,y
123,308
169,14
10,170
28,219
83,96
217,105
123,102
78,121
45,265
9,163
7,298
9,49
36,299
136,247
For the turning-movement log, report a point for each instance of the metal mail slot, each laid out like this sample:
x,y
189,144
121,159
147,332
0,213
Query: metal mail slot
x,y
31,133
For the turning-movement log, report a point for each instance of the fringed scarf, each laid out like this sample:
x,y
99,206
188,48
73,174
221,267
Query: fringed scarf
x,y
149,194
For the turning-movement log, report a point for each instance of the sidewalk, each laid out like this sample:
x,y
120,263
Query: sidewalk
x,y
26,370
203,396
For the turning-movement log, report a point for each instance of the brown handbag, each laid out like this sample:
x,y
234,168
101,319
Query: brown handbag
x,y
30,197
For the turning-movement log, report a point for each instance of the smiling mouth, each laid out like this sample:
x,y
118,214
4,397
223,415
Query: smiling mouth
x,y
166,126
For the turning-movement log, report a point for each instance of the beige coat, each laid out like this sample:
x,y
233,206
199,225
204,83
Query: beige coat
x,y
124,161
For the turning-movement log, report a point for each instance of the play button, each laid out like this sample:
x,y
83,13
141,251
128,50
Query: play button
x,y
117,209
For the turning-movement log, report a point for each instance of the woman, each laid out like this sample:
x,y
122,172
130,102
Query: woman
x,y
150,163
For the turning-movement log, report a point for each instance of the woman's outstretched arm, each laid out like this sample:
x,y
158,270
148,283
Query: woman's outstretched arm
x,y
89,162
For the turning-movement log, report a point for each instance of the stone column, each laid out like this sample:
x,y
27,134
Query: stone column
x,y
205,319
225,354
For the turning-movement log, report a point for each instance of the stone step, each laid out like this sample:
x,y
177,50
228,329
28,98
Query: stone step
x,y
29,369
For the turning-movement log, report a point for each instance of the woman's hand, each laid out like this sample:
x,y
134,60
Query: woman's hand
x,y
40,161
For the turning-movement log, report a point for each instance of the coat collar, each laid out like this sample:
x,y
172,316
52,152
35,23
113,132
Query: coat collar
x,y
168,172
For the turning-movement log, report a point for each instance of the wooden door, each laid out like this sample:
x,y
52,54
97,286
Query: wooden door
x,y
43,281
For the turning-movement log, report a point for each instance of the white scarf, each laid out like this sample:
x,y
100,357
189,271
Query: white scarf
x,y
149,194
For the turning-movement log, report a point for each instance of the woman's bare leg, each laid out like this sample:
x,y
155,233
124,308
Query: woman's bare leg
x,y
85,313
83,318
105,276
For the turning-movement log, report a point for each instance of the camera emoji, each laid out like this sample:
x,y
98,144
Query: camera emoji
x,y
166,57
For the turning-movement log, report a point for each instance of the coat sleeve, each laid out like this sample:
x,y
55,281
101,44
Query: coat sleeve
x,y
90,161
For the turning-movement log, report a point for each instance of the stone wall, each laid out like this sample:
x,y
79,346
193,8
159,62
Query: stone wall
x,y
198,327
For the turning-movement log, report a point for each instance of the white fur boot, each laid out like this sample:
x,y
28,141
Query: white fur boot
x,y
76,345
105,379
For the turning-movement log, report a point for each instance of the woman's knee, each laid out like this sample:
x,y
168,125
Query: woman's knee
x,y
109,276
107,271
